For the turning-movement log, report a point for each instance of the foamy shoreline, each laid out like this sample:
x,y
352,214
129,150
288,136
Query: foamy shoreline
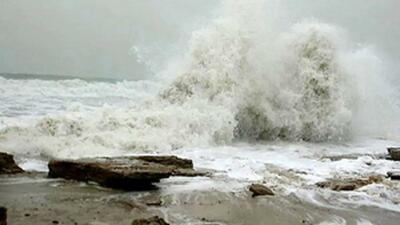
x,y
291,170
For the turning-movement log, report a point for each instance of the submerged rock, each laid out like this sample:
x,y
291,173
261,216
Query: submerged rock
x,y
129,173
394,153
3,216
349,184
394,175
259,190
8,165
150,221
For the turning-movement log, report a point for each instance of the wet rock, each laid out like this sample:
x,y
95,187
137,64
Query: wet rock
x,y
349,184
168,161
150,221
394,175
3,216
259,190
178,166
129,173
8,165
394,153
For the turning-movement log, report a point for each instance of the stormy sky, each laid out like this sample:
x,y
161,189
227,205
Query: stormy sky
x,y
90,37
94,38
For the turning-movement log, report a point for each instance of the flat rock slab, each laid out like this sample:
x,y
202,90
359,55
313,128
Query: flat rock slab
x,y
3,216
150,221
260,190
349,184
8,165
394,153
129,173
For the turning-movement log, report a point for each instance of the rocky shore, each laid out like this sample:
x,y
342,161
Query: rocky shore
x,y
131,190
8,165
133,173
128,173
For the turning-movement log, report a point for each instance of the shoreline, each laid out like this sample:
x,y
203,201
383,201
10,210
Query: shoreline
x,y
34,199
224,196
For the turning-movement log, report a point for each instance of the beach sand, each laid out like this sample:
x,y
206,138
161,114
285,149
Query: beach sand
x,y
34,199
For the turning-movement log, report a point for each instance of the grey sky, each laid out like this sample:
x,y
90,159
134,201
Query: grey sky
x,y
86,37
93,37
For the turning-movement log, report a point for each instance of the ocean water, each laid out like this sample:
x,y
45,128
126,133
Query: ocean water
x,y
249,99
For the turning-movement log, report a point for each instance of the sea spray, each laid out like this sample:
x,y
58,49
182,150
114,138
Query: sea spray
x,y
241,79
318,80
307,105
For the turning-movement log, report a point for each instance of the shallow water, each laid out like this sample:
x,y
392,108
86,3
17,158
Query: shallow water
x,y
34,199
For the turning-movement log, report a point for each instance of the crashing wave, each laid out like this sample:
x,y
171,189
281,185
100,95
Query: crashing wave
x,y
309,103
239,83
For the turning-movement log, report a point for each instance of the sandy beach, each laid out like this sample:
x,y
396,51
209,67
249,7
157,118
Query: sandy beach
x,y
34,199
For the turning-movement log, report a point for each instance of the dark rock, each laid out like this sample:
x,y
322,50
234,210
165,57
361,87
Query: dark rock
x,y
349,184
259,189
150,221
3,216
394,153
8,165
394,175
130,173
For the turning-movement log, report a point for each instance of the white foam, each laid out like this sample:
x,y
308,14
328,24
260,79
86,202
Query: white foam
x,y
244,78
241,79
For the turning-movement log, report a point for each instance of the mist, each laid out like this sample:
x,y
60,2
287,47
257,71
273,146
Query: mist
x,y
95,38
